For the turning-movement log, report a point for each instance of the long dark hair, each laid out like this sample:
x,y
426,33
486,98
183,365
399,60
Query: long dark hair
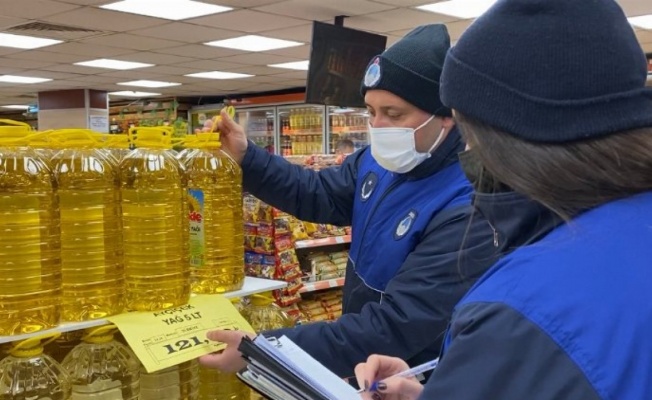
x,y
567,178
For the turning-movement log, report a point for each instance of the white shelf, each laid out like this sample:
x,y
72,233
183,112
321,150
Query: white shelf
x,y
251,286
322,285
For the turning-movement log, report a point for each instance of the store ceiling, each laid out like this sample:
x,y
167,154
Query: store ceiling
x,y
176,47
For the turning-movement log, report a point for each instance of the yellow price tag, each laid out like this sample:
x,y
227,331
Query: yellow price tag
x,y
165,338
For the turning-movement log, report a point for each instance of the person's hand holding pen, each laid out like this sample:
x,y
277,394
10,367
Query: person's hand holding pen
x,y
377,379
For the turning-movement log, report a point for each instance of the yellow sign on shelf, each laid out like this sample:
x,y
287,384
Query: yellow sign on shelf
x,y
165,338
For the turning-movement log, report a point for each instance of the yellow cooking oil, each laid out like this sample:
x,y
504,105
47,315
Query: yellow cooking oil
x,y
101,368
91,237
29,374
179,382
154,223
264,315
30,261
215,217
217,385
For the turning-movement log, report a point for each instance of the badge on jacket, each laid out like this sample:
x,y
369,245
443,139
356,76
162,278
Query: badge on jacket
x,y
405,224
368,186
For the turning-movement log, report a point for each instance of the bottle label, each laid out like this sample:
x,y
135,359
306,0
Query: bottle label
x,y
196,217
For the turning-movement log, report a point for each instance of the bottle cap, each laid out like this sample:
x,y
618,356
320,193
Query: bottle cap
x,y
33,346
100,334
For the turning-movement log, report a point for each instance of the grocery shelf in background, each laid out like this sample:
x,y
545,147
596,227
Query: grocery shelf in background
x,y
322,285
329,241
251,286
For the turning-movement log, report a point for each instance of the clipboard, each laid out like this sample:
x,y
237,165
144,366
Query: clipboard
x,y
269,377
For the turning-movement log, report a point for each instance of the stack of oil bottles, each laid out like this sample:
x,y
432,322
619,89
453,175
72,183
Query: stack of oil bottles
x,y
93,225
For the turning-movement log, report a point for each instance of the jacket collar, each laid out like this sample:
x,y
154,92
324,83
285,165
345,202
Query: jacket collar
x,y
516,219
443,156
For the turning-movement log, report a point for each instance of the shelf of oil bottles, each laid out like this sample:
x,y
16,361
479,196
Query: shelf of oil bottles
x,y
251,286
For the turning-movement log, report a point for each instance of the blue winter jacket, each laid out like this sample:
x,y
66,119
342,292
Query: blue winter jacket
x,y
569,317
417,248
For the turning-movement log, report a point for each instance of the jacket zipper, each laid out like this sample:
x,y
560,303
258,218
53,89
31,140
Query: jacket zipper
x,y
496,243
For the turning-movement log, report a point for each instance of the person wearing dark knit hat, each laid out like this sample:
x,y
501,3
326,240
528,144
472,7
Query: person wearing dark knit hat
x,y
409,205
401,88
551,97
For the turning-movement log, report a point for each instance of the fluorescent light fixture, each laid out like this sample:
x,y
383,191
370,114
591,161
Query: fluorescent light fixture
x,y
15,107
464,9
22,79
128,93
113,64
149,84
219,75
642,21
254,43
25,42
175,10
298,65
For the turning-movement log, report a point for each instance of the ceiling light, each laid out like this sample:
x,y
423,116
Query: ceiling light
x,y
128,93
642,21
298,65
219,75
25,42
149,84
15,107
22,79
254,43
113,64
464,9
175,10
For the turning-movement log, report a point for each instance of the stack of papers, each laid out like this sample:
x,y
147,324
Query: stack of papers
x,y
281,370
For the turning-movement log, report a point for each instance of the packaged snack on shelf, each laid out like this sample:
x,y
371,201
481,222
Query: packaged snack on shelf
x,y
287,257
260,265
298,230
255,210
293,312
282,225
287,300
283,243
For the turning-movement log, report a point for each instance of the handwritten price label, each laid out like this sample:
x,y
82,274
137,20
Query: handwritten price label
x,y
165,338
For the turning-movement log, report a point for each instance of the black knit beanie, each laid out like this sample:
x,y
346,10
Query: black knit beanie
x,y
550,71
411,68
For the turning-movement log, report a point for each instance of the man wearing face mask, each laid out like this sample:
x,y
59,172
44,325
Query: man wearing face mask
x,y
415,248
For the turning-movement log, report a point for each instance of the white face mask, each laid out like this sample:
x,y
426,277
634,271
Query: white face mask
x,y
395,149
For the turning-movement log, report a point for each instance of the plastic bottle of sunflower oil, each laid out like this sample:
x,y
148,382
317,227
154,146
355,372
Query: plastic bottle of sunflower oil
x,y
29,374
30,261
154,224
91,242
180,382
217,385
215,203
101,368
264,315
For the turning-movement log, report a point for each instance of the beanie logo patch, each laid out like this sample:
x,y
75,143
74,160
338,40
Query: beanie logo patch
x,y
373,74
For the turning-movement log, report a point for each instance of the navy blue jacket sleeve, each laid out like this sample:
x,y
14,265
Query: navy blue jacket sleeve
x,y
324,197
418,301
496,353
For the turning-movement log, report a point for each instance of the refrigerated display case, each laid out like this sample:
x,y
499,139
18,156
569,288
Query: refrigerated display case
x,y
301,129
260,124
347,124
295,129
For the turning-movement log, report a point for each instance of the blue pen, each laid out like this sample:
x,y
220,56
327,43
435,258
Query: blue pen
x,y
410,373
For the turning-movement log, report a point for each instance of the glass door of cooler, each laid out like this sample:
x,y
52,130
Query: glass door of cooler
x,y
259,124
347,127
301,129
